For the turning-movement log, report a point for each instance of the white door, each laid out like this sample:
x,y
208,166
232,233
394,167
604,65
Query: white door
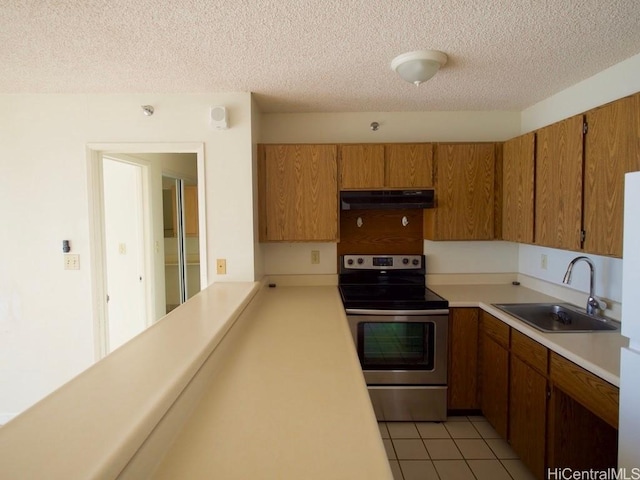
x,y
124,251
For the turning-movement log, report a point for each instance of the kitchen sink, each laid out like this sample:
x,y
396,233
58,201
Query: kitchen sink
x,y
558,317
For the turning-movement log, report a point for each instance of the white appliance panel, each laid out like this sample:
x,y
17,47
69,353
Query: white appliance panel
x,y
631,261
629,423
629,429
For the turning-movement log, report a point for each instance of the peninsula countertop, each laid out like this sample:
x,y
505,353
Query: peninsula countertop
x,y
288,399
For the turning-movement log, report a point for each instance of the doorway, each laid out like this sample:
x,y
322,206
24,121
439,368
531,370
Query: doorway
x,y
151,159
181,242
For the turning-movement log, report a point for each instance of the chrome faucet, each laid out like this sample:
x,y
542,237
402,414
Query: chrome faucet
x,y
594,304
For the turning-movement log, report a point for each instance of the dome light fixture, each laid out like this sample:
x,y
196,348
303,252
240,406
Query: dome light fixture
x,y
419,66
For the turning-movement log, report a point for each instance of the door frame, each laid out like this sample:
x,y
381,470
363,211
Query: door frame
x,y
95,152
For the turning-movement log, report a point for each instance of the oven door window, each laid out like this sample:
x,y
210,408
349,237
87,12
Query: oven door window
x,y
396,345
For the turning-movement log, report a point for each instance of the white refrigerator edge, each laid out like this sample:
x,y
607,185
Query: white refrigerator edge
x,y
629,424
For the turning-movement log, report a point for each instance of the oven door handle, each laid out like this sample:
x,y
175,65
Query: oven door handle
x,y
368,311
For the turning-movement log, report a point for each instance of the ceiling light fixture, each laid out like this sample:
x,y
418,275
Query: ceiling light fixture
x,y
419,66
147,110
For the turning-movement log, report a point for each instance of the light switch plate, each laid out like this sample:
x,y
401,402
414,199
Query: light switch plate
x,y
71,261
221,266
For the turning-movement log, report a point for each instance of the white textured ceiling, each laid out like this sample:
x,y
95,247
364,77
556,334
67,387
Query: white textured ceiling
x,y
315,56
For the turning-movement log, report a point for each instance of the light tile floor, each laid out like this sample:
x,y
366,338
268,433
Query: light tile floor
x,y
460,448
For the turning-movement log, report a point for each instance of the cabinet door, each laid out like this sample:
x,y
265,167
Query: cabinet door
x,y
611,150
298,193
361,167
518,170
558,215
463,359
495,383
528,415
494,372
464,193
409,165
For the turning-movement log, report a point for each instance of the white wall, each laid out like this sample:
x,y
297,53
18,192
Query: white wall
x,y
46,330
444,257
615,82
394,127
608,270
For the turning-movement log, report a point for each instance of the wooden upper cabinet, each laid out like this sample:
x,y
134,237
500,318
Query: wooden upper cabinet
x,y
518,171
298,192
409,165
464,178
558,205
612,148
191,210
361,166
376,166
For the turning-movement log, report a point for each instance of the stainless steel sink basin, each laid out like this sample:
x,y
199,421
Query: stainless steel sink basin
x,y
557,317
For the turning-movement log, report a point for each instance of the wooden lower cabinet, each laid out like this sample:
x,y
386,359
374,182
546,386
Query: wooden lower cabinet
x,y
494,372
528,415
463,359
554,413
583,418
577,438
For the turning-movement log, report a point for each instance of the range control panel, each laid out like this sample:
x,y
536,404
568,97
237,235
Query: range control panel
x,y
382,262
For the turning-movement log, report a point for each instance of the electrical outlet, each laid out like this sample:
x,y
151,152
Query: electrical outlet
x,y
315,257
543,261
221,266
122,248
71,261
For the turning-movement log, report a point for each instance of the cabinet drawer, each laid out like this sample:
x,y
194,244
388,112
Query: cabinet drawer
x,y
529,351
595,394
496,329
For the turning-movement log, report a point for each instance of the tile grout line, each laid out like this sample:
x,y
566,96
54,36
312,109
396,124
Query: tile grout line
x,y
450,437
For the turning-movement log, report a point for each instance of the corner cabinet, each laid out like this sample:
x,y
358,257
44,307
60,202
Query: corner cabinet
x,y
298,193
465,189
377,166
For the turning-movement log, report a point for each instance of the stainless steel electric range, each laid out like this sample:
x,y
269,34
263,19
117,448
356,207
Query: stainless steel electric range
x,y
400,330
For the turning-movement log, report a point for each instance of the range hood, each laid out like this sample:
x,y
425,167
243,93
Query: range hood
x,y
386,199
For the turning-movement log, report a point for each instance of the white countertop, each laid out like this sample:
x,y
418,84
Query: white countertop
x,y
597,352
288,401
286,397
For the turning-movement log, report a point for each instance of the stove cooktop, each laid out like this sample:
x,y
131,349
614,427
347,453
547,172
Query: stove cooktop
x,y
391,297
386,282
